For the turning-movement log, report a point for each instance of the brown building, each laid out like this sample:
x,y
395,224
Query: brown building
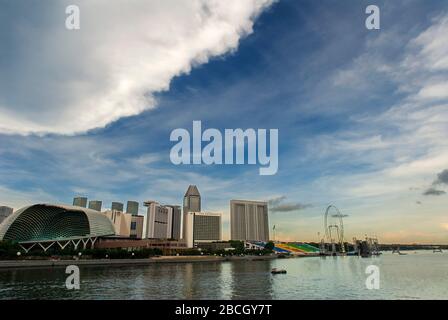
x,y
131,244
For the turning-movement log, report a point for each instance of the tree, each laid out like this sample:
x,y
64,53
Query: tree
x,y
269,246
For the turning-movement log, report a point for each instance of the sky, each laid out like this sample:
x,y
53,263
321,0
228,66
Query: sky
x,y
362,114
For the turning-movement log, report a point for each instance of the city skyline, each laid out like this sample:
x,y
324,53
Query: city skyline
x,y
361,114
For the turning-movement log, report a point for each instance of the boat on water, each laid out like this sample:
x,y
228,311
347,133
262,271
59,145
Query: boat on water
x,y
278,271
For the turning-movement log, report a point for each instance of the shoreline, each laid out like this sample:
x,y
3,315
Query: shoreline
x,y
17,264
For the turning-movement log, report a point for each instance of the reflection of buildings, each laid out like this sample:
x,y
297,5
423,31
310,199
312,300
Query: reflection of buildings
x,y
249,220
242,286
5,212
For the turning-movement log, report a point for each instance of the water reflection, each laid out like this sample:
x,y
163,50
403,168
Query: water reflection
x,y
422,275
251,280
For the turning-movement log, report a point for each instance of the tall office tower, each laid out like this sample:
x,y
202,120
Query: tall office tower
x,y
132,208
192,202
80,202
175,221
117,206
207,227
95,205
5,212
249,220
169,223
156,220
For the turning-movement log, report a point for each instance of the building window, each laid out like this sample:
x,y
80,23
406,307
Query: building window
x,y
133,225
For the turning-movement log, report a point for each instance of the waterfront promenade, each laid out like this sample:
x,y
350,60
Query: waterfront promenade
x,y
13,264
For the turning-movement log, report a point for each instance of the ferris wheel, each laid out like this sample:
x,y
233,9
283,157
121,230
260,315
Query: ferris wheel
x,y
334,226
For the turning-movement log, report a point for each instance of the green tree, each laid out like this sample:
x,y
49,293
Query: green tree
x,y
269,246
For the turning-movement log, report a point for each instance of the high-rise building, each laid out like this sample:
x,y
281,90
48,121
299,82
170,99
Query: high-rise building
x,y
95,205
192,203
207,227
192,199
249,220
175,222
5,212
157,221
132,207
169,223
117,206
188,226
80,202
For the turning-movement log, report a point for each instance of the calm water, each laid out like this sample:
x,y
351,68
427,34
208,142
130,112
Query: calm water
x,y
420,275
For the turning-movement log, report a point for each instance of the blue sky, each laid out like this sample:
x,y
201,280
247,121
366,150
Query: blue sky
x,y
361,114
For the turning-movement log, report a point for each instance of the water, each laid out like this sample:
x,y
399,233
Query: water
x,y
417,275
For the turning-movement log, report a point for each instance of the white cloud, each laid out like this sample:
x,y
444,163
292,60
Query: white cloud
x,y
71,81
19,199
433,53
435,91
405,145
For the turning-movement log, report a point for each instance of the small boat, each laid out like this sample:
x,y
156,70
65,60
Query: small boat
x,y
278,271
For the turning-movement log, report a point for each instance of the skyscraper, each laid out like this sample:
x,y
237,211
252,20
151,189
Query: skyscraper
x,y
117,206
192,203
132,207
249,220
175,222
157,221
207,227
188,229
5,212
95,205
80,202
192,199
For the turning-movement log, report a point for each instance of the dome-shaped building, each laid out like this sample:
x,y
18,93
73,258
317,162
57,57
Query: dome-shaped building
x,y
47,224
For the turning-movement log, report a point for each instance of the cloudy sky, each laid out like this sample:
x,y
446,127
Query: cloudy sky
x,y
362,115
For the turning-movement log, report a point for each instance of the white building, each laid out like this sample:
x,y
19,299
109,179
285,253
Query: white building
x,y
125,224
158,221
188,227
